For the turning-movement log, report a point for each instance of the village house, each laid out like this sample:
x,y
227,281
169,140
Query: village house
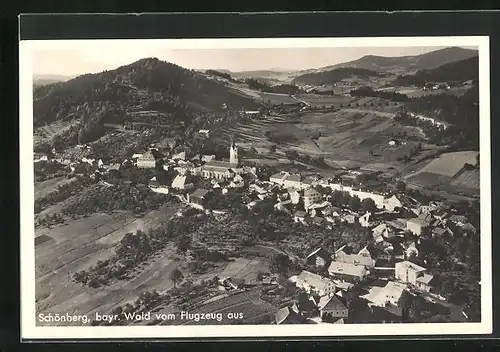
x,y
380,232
293,181
157,188
207,158
391,293
458,220
349,218
358,259
316,209
279,178
390,204
319,258
146,160
300,216
332,308
364,220
317,221
287,315
438,232
419,224
294,196
237,182
311,196
350,272
197,198
305,305
413,274
182,182
308,182
313,283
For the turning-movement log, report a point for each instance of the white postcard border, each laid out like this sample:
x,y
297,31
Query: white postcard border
x,y
29,330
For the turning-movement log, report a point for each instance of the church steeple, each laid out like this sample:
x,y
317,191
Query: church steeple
x,y
233,152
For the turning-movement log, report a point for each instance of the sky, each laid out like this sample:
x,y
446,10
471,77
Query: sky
x,y
92,59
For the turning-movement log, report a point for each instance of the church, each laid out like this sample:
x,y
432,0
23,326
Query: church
x,y
223,170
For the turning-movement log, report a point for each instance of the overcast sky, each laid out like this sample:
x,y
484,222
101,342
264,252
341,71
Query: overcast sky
x,y
76,61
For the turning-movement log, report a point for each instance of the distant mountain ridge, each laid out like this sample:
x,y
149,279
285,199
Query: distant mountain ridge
x,y
39,80
401,64
459,71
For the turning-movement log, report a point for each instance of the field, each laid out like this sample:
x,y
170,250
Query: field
x,y
467,179
44,188
346,137
245,268
447,172
82,243
450,163
247,303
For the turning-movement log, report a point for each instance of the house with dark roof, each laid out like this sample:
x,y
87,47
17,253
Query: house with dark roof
x,y
319,258
287,315
332,308
197,198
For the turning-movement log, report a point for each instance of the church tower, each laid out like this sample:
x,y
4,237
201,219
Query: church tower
x,y
233,153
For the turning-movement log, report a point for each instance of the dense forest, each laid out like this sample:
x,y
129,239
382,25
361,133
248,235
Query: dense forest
x,y
369,92
462,113
278,89
333,76
458,72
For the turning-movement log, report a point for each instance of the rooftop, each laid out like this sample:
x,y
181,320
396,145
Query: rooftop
x,y
347,269
314,280
331,303
200,193
391,292
409,265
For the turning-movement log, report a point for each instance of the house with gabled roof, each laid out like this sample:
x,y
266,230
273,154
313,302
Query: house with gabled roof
x,y
287,315
320,258
293,181
300,216
347,271
332,308
313,283
419,224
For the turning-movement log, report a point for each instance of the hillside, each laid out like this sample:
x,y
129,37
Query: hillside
x,y
333,76
407,63
459,71
175,93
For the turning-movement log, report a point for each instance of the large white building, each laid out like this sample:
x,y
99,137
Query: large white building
x,y
413,274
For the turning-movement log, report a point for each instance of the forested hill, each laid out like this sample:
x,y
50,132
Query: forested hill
x,y
333,76
459,71
145,84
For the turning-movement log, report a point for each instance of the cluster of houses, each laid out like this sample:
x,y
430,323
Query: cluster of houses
x,y
326,297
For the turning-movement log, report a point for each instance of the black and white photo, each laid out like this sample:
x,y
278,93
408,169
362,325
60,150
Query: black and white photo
x,y
255,187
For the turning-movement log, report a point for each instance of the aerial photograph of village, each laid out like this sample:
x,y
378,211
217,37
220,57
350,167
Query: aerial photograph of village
x,y
256,186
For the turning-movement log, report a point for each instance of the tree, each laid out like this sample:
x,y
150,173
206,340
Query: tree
x,y
280,264
368,204
176,276
354,203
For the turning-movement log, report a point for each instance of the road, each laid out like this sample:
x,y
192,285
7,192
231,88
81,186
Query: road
x,y
278,251
455,310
